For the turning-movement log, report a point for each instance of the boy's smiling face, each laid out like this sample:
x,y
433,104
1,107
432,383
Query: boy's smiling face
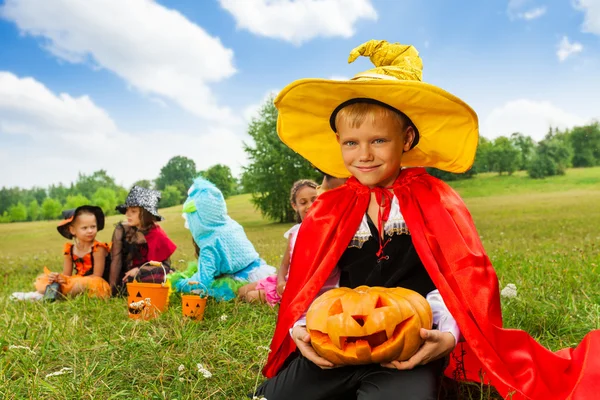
x,y
372,152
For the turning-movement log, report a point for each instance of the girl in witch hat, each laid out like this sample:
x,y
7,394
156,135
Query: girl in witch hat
x,y
390,225
84,257
138,240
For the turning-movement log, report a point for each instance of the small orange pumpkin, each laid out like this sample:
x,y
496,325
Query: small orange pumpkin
x,y
367,324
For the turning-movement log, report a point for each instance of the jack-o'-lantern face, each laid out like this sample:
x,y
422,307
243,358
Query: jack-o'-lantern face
x,y
193,306
367,324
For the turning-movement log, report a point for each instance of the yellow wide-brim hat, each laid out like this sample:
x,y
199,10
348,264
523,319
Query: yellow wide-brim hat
x,y
447,127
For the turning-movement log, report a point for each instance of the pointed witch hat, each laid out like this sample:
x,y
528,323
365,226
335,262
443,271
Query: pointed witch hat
x,y
447,127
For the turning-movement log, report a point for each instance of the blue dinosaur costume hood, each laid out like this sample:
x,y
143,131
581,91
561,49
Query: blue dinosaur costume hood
x,y
225,251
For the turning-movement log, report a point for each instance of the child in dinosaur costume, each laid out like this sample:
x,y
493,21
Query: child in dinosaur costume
x,y
227,259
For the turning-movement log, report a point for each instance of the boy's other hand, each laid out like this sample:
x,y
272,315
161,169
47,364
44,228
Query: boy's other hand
x,y
302,339
437,345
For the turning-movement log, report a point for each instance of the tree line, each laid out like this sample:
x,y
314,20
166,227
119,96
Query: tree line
x,y
273,168
578,147
98,188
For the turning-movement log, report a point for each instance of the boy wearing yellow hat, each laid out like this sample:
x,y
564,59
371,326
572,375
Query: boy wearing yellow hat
x,y
394,226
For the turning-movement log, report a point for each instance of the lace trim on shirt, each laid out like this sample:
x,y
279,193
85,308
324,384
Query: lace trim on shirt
x,y
362,234
395,225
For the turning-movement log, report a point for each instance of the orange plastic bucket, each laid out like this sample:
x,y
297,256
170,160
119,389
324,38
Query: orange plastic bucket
x,y
147,300
192,306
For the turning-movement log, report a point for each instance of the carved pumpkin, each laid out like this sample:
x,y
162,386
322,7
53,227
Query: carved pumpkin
x,y
367,324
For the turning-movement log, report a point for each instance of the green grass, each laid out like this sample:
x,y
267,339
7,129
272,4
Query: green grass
x,y
541,235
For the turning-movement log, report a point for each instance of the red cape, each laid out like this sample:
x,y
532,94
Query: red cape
x,y
160,247
449,247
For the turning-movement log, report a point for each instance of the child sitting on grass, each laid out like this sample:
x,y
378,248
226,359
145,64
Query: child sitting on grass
x,y
84,258
227,259
270,289
138,240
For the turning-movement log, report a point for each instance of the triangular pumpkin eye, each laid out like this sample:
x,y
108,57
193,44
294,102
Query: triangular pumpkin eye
x,y
360,319
380,303
336,308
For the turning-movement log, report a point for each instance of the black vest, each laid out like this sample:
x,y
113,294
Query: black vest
x,y
398,266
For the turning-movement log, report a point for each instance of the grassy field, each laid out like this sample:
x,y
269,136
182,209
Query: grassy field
x,y
543,236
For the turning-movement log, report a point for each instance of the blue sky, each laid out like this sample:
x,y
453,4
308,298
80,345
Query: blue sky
x,y
125,85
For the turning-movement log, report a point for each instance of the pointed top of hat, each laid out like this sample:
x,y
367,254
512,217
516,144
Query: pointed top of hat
x,y
391,60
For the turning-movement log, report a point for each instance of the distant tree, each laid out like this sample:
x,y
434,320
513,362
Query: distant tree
x,y
5,217
106,199
51,208
18,212
8,197
179,172
220,175
273,167
145,183
483,155
87,185
60,192
504,156
121,195
171,196
585,141
74,201
33,210
526,147
552,156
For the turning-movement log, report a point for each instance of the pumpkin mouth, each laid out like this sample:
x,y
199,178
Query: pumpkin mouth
x,y
373,341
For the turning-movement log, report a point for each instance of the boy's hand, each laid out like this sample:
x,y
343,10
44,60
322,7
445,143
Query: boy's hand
x,y
437,345
280,288
302,339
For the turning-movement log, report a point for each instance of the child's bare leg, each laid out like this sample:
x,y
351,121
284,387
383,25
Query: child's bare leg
x,y
243,291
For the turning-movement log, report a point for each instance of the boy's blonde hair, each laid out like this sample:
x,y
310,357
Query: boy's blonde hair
x,y
354,115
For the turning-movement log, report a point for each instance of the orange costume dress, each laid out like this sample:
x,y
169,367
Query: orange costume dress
x,y
95,286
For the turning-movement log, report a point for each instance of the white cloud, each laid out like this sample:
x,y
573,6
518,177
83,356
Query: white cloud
x,y
567,49
298,21
28,108
339,78
154,49
533,13
591,8
252,111
532,118
53,137
516,9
